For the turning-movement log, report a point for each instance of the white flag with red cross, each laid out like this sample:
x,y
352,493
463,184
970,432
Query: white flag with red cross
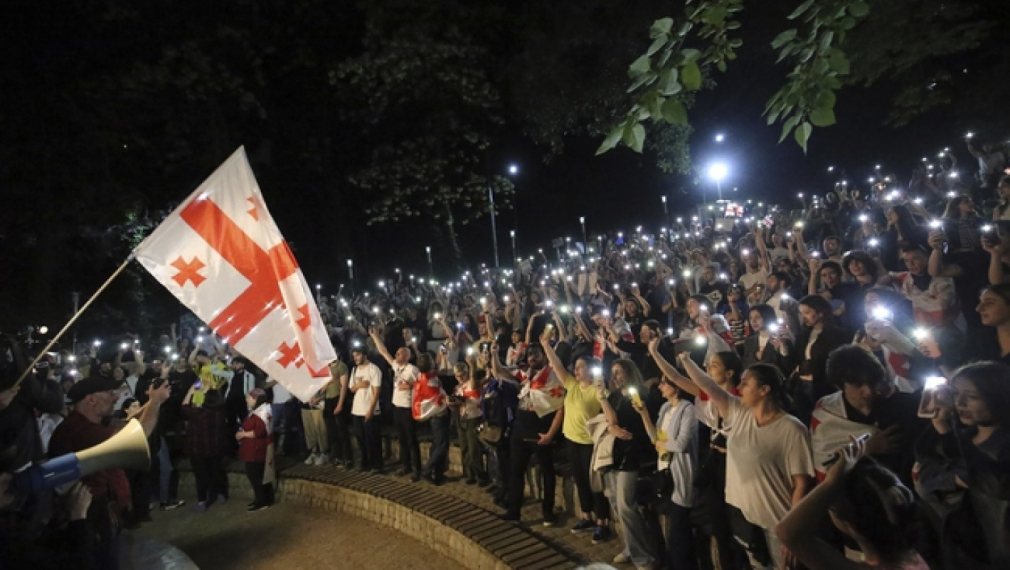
x,y
221,254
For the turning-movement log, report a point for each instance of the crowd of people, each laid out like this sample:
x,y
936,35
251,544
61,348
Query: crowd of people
x,y
720,388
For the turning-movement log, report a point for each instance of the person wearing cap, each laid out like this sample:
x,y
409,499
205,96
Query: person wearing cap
x,y
94,399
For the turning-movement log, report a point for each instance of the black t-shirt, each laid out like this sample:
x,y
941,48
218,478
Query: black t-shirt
x,y
716,292
528,425
630,455
899,409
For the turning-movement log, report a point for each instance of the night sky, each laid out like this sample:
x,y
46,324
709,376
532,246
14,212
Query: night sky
x,y
80,149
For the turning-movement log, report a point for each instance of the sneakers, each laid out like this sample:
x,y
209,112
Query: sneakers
x,y
601,534
171,505
622,559
549,521
313,459
321,459
583,526
200,507
254,508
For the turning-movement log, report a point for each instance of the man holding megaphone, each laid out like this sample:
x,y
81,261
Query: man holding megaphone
x,y
94,399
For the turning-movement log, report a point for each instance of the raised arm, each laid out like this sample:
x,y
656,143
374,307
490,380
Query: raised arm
x,y
380,346
555,361
721,398
670,371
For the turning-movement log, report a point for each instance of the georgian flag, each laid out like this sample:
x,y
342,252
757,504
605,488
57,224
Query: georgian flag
x,y
428,399
830,430
543,393
221,254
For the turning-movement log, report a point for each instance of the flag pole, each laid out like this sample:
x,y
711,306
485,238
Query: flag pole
x,y
73,319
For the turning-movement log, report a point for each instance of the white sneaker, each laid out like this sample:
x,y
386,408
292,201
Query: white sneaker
x,y
321,459
621,559
312,459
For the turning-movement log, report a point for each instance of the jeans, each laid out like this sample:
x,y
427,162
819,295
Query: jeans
x,y
470,448
263,492
438,459
634,530
369,441
164,473
521,453
580,456
410,449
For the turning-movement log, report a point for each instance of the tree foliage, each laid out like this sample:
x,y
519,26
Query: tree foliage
x,y
423,100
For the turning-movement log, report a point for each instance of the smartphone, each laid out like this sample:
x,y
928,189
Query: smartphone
x,y
928,407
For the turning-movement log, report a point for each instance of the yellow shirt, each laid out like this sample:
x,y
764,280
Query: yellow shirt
x,y
581,406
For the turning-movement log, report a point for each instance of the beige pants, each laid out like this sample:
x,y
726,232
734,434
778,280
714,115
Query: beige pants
x,y
315,431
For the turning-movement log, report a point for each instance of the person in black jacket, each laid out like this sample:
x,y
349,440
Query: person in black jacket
x,y
808,359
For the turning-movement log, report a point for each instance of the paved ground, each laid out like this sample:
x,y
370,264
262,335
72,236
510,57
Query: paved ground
x,y
226,537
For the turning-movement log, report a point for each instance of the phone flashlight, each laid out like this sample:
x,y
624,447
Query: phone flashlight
x,y
773,328
882,313
920,333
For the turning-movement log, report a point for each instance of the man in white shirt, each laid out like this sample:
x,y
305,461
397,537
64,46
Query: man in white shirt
x,y
366,383
404,376
755,276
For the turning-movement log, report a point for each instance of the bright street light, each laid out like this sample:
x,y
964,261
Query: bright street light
x,y
717,171
720,137
513,169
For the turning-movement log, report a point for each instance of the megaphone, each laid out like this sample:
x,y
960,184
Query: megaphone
x,y
127,449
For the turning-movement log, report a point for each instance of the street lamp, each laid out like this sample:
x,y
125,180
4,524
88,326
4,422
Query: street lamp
x,y
431,268
720,137
512,234
494,228
513,170
717,171
582,222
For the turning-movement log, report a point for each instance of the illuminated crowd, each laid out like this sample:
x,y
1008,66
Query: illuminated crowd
x,y
720,387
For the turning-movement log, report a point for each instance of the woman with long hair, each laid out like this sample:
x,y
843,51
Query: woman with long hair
x,y
809,357
964,462
768,460
962,224
632,450
994,309
767,340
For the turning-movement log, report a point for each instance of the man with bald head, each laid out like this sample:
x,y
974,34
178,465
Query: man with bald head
x,y
404,376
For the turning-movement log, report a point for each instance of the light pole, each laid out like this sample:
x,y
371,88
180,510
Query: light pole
x,y
666,220
494,229
512,234
717,171
585,241
513,170
431,268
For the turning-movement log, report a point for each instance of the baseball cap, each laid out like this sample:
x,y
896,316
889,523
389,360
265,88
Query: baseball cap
x,y
92,385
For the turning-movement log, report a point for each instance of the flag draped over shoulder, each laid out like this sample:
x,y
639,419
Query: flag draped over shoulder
x,y
544,391
221,254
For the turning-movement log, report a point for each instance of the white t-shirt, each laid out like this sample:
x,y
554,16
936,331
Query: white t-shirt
x,y
761,462
363,397
404,373
749,280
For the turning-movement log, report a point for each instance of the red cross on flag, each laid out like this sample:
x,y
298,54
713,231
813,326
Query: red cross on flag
x,y
221,254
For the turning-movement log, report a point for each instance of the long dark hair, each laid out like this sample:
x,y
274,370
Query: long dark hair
x,y
990,379
822,306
